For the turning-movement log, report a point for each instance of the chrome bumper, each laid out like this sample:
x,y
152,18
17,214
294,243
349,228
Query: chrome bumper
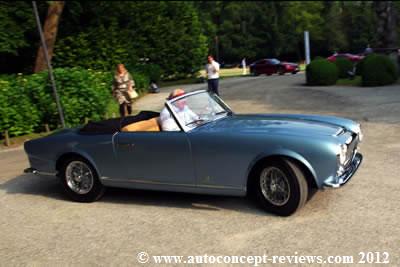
x,y
36,172
345,177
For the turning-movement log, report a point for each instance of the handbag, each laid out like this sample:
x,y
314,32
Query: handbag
x,y
132,94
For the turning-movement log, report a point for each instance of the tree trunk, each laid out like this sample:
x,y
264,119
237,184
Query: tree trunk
x,y
386,25
50,34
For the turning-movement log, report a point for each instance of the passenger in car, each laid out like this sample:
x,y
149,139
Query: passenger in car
x,y
184,113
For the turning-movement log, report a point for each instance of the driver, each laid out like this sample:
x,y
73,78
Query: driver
x,y
185,114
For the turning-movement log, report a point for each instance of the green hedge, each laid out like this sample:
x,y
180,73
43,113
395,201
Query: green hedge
x,y
142,81
152,71
27,102
321,72
378,70
344,66
18,115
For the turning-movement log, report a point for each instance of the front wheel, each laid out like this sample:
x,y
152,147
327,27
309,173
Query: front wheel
x,y
80,180
280,187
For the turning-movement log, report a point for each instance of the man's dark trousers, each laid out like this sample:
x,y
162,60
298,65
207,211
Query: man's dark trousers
x,y
213,86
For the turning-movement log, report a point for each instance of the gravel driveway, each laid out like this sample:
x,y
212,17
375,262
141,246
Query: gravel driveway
x,y
39,226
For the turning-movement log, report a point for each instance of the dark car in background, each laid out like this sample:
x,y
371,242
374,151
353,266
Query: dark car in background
x,y
271,66
351,57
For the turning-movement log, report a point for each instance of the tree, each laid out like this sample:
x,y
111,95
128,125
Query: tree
x,y
50,34
16,25
165,34
387,23
359,25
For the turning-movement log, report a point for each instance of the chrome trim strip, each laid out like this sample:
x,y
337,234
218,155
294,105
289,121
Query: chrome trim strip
x,y
348,173
339,132
170,184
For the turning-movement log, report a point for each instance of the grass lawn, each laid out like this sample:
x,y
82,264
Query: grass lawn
x,y
231,72
224,73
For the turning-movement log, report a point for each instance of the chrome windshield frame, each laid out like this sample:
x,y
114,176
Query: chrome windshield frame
x,y
181,125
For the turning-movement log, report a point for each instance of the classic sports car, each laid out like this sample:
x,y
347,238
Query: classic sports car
x,y
278,159
351,57
270,66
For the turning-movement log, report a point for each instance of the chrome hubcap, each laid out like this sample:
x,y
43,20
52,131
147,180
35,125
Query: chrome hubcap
x,y
275,186
79,177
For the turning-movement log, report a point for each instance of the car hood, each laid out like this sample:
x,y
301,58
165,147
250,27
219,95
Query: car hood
x,y
275,124
289,63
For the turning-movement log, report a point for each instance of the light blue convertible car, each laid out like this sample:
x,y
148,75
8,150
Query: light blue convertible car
x,y
278,159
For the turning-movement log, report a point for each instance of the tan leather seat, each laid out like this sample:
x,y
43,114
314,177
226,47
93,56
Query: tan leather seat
x,y
150,125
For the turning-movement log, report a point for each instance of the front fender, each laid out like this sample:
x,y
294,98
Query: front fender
x,y
282,152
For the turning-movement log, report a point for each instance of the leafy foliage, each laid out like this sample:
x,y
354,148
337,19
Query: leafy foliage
x,y
378,70
152,71
344,66
18,115
27,102
359,66
177,35
13,17
165,34
321,72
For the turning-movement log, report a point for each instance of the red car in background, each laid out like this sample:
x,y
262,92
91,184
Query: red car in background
x,y
351,57
270,66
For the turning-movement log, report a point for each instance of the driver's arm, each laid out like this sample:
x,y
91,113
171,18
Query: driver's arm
x,y
167,121
193,116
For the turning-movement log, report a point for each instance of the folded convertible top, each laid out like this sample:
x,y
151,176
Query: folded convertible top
x,y
111,126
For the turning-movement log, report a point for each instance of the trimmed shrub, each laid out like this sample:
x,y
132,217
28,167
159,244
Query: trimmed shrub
x,y
378,70
344,66
321,72
318,58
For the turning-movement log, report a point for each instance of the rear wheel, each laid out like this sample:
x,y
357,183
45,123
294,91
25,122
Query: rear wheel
x,y
80,180
280,187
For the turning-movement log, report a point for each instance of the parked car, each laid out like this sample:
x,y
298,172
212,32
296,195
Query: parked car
x,y
351,57
270,66
276,158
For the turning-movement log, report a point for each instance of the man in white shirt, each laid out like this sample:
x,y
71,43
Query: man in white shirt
x,y
185,114
212,70
244,66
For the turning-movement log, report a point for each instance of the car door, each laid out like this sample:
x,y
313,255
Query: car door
x,y
154,157
263,66
272,66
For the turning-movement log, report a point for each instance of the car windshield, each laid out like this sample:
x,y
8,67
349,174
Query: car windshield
x,y
274,61
198,109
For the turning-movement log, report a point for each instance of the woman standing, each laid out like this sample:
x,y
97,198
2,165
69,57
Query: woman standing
x,y
123,88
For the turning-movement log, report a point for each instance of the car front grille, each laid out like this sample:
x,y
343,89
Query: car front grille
x,y
351,149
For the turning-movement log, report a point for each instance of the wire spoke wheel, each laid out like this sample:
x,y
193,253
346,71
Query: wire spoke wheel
x,y
275,186
79,177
